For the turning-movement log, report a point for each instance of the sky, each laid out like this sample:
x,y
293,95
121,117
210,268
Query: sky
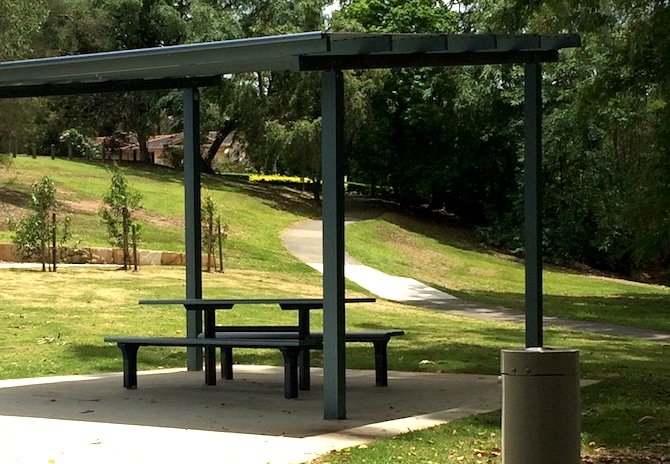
x,y
332,7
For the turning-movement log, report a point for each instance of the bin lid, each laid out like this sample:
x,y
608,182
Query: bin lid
x,y
539,361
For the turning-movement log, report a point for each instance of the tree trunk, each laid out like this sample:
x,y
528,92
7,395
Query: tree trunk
x,y
142,140
218,226
135,259
124,240
223,132
210,241
53,241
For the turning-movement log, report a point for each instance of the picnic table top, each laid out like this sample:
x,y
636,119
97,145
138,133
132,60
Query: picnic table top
x,y
285,303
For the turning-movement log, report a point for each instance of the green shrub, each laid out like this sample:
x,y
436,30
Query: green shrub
x,y
76,144
174,156
6,161
36,234
121,201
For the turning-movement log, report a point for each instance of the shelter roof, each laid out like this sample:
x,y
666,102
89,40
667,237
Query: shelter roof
x,y
203,64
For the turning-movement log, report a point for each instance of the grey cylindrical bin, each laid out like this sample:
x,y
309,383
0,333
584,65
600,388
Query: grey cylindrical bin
x,y
540,414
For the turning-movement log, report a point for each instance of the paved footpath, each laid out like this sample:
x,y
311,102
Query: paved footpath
x,y
303,240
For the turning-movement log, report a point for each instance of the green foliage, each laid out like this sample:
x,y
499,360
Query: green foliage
x,y
6,161
20,22
396,15
208,210
174,157
34,233
452,139
121,201
76,144
211,225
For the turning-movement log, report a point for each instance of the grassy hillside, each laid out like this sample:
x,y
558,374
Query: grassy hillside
x,y
255,214
446,258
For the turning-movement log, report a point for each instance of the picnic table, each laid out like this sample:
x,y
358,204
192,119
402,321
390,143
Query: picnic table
x,y
209,307
294,342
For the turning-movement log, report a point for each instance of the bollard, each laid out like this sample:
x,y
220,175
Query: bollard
x,y
540,414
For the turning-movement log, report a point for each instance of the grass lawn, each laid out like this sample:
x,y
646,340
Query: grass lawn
x,y
447,259
59,320
60,326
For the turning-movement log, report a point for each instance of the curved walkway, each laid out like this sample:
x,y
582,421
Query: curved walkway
x,y
303,240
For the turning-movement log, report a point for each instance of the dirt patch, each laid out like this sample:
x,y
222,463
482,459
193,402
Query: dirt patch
x,y
13,205
81,206
159,220
93,206
625,457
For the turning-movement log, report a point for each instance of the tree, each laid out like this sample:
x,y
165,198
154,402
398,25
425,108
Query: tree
x,y
36,235
303,152
214,232
248,104
438,137
208,212
121,201
84,26
20,25
20,22
606,130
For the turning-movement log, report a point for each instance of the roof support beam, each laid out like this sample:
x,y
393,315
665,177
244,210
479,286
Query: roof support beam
x,y
398,60
332,143
21,91
192,216
533,203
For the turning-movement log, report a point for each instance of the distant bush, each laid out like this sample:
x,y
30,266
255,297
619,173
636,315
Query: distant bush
x,y
174,156
6,161
76,144
278,179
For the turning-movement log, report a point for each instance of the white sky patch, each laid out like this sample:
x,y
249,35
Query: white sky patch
x,y
328,11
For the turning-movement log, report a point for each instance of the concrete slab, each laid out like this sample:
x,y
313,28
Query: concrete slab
x,y
173,416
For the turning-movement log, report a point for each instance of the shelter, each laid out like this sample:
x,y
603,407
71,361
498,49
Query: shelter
x,y
192,66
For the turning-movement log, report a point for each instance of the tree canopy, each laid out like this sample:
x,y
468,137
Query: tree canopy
x,y
449,140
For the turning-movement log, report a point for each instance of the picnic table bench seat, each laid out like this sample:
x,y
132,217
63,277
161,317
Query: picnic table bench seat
x,y
290,348
378,338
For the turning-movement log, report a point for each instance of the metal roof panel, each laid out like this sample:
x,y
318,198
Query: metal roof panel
x,y
292,52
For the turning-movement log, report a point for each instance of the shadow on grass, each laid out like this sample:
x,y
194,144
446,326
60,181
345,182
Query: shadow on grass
x,y
151,357
630,411
640,310
443,230
19,198
277,197
108,357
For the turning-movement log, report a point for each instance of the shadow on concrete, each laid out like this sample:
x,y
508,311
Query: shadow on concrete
x,y
252,403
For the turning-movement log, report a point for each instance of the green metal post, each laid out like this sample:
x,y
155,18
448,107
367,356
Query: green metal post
x,y
533,205
192,216
332,140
